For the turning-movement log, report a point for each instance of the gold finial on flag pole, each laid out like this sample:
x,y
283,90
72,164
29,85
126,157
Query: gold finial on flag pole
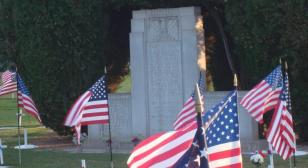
x,y
198,100
105,70
235,83
286,65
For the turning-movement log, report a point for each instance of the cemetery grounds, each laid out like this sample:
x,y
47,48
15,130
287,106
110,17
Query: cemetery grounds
x,y
58,152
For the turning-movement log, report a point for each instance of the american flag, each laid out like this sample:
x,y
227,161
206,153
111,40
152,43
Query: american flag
x,y
90,108
188,113
162,149
280,134
7,76
222,134
264,96
195,157
9,84
24,99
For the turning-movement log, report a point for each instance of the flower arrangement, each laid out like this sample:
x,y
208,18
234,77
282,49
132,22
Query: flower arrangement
x,y
83,138
135,140
109,142
257,159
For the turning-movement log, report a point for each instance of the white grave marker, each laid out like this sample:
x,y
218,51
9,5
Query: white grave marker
x,y
83,164
1,152
26,145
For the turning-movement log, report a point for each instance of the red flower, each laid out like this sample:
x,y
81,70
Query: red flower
x,y
108,141
135,140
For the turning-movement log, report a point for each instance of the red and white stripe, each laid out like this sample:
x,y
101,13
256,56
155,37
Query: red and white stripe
x,y
8,87
26,102
187,115
261,99
227,155
162,149
7,76
74,115
280,134
95,112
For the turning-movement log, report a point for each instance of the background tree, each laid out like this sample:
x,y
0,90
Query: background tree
x,y
62,46
7,34
264,31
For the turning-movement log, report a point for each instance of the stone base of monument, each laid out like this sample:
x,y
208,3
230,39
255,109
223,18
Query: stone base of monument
x,y
248,146
96,146
28,146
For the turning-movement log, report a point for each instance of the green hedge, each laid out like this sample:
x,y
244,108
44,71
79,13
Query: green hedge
x,y
264,31
62,46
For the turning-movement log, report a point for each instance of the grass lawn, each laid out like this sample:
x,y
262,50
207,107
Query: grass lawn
x,y
125,85
60,159
50,157
8,110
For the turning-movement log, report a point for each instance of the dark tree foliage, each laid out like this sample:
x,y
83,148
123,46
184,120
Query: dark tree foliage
x,y
7,34
264,31
62,46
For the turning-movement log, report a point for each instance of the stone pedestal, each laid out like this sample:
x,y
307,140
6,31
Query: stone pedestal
x,y
120,120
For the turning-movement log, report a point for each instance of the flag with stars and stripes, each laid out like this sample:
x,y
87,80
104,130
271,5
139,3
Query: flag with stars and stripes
x,y
24,99
7,76
162,149
188,113
222,134
195,157
90,108
280,134
9,84
264,96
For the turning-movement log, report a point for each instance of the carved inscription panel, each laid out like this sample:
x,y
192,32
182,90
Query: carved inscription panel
x,y
120,116
163,29
165,84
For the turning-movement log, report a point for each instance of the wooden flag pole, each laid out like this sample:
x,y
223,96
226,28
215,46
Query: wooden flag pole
x,y
109,127
290,107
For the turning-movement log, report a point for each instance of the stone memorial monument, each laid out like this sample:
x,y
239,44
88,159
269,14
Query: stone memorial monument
x,y
166,47
164,52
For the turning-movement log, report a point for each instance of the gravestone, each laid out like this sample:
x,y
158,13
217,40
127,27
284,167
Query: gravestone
x,y
164,51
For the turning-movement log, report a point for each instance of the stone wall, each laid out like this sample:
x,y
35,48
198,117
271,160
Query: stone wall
x,y
121,123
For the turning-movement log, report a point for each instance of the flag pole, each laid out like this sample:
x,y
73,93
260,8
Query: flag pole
x,y
270,148
109,128
290,107
199,110
18,123
18,111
